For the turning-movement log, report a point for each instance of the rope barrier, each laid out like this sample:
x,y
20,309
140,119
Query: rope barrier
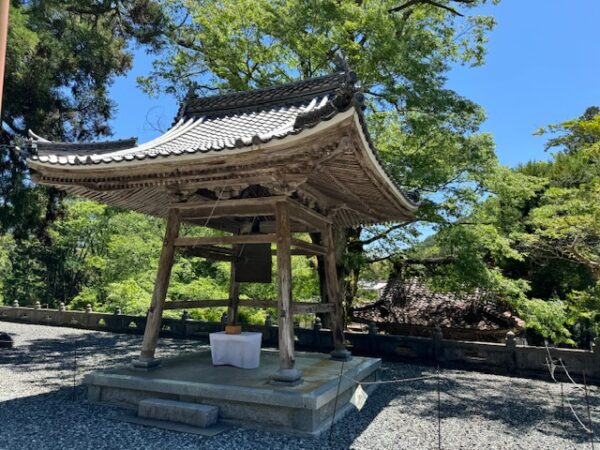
x,y
551,364
400,380
576,416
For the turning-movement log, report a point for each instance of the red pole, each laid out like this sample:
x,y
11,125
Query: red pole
x,y
4,4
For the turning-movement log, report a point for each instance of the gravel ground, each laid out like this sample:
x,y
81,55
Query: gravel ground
x,y
40,409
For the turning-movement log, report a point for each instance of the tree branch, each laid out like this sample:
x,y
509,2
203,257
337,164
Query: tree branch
x,y
382,234
410,3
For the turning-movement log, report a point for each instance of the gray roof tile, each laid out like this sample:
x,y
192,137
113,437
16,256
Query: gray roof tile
x,y
221,122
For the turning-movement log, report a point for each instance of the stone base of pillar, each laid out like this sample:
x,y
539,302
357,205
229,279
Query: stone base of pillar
x,y
341,354
287,377
145,363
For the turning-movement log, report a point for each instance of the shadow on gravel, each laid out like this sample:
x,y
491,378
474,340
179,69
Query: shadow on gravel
x,y
56,356
53,420
519,406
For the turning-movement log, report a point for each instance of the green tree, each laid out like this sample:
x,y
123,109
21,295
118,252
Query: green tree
x,y
534,239
62,56
401,51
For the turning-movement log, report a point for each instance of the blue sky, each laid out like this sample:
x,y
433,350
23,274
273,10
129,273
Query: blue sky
x,y
542,67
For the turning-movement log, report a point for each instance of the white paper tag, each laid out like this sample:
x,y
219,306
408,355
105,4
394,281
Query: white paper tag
x,y
359,397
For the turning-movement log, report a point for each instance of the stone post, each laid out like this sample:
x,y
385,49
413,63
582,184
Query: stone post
x,y
437,344
372,333
185,318
595,369
36,314
224,319
269,328
88,308
113,323
510,358
15,304
317,325
61,317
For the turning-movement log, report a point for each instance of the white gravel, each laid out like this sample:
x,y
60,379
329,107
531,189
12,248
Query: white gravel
x,y
38,408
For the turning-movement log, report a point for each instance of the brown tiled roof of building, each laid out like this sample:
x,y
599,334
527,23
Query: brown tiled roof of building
x,y
414,303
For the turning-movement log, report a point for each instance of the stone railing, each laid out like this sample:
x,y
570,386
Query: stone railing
x,y
507,358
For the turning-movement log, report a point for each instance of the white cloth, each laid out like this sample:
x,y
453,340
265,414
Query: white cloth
x,y
239,350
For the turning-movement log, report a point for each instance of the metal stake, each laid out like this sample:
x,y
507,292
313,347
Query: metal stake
x,y
337,395
562,402
439,410
587,402
75,371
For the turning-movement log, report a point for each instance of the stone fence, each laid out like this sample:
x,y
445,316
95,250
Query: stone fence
x,y
503,358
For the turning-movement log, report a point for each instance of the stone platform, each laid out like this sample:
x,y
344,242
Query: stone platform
x,y
245,397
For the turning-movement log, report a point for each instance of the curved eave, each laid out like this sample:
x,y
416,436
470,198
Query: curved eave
x,y
377,165
169,161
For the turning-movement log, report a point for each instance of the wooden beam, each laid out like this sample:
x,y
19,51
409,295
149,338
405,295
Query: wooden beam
x,y
226,240
307,216
234,295
297,307
209,252
192,304
296,252
154,320
286,372
245,207
308,247
312,308
334,297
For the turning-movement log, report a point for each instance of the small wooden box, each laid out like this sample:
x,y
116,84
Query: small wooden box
x,y
233,329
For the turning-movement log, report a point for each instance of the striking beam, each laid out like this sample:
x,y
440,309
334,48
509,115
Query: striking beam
x,y
209,252
307,216
309,248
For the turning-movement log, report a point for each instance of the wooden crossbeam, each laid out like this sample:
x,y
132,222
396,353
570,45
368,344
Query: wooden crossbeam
x,y
308,247
307,216
191,304
225,240
297,307
312,308
246,207
296,252
211,252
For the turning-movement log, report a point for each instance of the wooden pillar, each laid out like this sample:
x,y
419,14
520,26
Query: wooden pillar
x,y
334,296
154,320
286,373
234,294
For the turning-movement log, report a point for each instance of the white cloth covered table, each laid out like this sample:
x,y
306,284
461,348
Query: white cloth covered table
x,y
239,350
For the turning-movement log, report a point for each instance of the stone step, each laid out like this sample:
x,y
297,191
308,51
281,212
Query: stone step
x,y
194,414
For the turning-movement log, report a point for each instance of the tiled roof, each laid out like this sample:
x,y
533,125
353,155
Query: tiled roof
x,y
91,148
218,123
412,302
298,92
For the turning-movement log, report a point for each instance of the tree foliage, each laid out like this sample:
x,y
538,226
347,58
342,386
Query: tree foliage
x,y
401,51
61,59
529,235
535,238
